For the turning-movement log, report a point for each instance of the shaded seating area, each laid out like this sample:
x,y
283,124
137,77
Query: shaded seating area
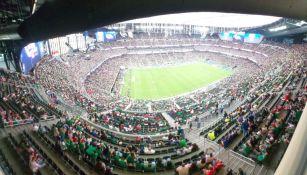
x,y
5,167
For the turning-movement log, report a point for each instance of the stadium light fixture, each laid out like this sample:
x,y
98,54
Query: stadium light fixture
x,y
34,6
277,28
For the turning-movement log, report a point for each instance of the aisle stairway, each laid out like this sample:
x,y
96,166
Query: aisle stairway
x,y
14,157
169,119
230,158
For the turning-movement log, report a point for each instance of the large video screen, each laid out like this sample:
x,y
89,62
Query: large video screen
x,y
253,38
106,36
30,55
241,37
226,36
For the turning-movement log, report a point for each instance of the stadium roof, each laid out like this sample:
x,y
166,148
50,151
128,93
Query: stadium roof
x,y
212,19
64,17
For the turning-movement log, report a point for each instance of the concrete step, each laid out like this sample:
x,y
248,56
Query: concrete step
x,y
236,141
53,156
225,132
13,158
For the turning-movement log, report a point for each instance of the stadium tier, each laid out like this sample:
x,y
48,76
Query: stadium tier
x,y
148,104
121,69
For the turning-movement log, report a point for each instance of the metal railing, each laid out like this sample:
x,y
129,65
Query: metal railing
x,y
156,136
243,159
226,155
211,145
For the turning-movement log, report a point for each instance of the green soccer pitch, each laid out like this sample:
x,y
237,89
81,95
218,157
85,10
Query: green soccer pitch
x,y
158,83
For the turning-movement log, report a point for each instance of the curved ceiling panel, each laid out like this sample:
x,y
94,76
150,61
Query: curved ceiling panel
x,y
210,19
59,17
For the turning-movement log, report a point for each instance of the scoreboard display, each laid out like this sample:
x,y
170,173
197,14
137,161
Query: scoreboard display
x,y
30,55
241,37
106,36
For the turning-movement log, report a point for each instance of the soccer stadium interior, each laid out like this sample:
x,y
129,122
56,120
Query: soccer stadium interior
x,y
166,87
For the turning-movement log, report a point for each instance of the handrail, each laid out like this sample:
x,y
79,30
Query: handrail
x,y
156,136
247,160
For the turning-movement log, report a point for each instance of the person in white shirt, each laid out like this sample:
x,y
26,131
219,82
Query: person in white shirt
x,y
35,127
148,150
35,166
201,163
183,169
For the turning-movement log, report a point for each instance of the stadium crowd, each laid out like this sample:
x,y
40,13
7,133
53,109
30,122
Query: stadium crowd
x,y
98,146
258,75
19,103
82,84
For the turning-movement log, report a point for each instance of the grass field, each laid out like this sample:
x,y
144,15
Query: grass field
x,y
158,83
